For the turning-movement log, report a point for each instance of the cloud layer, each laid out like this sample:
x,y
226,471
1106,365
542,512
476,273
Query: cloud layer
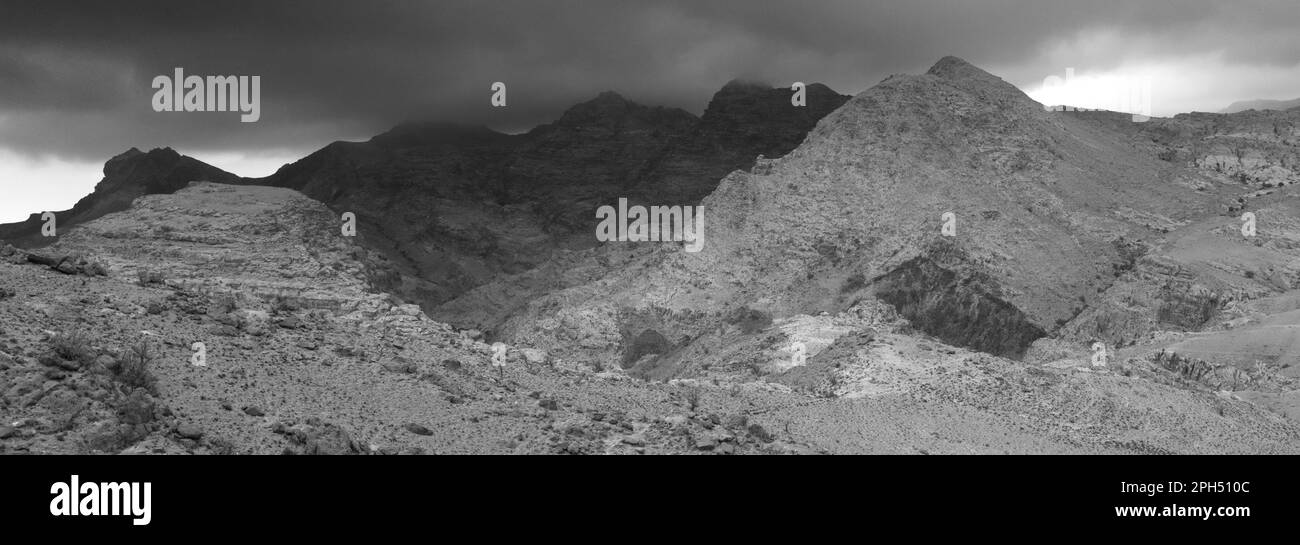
x,y
76,76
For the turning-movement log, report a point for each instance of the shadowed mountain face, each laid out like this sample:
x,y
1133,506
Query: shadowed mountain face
x,y
743,120
127,176
456,207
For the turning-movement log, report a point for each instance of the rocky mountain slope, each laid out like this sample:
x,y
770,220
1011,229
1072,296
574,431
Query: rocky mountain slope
x,y
1058,216
302,355
456,207
829,310
1046,208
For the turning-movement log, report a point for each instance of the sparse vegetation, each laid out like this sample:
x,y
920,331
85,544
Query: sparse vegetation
x,y
136,413
133,367
692,397
73,346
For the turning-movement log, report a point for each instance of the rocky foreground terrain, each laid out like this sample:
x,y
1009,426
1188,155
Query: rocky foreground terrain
x,y
827,312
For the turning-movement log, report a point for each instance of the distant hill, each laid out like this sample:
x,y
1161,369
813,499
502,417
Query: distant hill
x,y
1243,105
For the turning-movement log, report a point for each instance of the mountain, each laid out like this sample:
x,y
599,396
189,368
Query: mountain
x,y
455,207
126,176
458,207
1260,104
936,265
742,121
1046,209
235,319
300,352
826,270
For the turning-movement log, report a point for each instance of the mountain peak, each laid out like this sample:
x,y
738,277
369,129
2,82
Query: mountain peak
x,y
965,75
609,96
605,105
744,93
739,84
610,107
415,134
950,66
134,151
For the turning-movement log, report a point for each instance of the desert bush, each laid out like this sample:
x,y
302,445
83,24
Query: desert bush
x,y
73,346
137,409
692,397
133,367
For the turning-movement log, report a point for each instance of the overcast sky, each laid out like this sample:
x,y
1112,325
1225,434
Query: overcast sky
x,y
75,76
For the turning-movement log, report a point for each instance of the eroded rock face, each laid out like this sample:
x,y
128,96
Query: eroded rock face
x,y
962,308
1253,148
257,246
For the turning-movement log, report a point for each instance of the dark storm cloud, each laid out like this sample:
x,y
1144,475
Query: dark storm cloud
x,y
75,76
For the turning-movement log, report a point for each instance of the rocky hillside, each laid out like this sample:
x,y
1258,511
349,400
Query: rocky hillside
x,y
100,353
1046,207
828,312
456,207
300,353
127,176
